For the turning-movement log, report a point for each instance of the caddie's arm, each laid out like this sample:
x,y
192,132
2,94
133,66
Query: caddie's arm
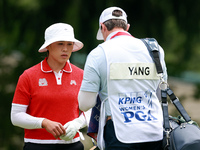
x,y
86,100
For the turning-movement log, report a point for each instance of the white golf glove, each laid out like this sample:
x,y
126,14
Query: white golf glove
x,y
72,127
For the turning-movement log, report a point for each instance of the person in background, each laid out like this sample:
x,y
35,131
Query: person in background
x,y
123,73
45,102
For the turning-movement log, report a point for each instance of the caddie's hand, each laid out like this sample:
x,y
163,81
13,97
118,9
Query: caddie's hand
x,y
55,128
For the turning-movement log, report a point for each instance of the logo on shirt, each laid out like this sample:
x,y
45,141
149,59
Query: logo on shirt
x,y
73,82
43,82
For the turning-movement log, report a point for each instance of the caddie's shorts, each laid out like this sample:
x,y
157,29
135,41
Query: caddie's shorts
x,y
112,143
72,146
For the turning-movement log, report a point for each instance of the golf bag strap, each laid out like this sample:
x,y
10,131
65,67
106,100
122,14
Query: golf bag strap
x,y
178,105
153,48
165,110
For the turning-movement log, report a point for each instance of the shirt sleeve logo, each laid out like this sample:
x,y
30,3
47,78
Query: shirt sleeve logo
x,y
43,82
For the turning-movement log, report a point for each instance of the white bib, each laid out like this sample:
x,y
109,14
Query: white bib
x,y
132,82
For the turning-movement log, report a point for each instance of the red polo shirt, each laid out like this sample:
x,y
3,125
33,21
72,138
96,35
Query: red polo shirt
x,y
39,89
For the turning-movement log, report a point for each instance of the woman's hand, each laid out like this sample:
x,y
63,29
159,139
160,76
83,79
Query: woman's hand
x,y
55,128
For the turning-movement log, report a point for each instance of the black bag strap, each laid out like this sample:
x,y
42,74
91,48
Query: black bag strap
x,y
153,49
152,46
178,105
165,110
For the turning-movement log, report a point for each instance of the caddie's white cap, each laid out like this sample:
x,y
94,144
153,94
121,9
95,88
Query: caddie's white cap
x,y
107,15
60,32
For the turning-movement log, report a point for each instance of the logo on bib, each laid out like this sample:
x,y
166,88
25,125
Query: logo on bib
x,y
139,115
136,106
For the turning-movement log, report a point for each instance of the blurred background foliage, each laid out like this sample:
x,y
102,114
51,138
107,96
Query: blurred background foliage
x,y
174,23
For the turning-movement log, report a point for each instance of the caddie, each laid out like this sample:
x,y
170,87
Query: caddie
x,y
123,73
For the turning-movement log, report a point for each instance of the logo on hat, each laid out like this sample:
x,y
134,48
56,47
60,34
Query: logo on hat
x,y
43,82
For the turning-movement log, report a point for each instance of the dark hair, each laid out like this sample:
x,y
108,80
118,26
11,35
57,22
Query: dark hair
x,y
119,23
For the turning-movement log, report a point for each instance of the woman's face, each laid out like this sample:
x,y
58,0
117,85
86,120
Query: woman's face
x,y
60,51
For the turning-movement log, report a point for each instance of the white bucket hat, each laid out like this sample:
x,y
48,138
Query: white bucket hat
x,y
60,32
107,15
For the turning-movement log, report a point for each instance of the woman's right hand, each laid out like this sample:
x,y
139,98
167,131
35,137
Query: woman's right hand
x,y
55,128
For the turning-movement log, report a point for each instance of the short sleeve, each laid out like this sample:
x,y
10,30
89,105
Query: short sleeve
x,y
22,92
91,78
